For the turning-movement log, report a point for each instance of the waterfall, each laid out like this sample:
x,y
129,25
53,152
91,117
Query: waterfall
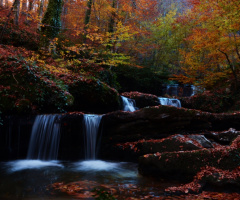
x,y
164,101
45,137
91,124
172,90
128,104
169,102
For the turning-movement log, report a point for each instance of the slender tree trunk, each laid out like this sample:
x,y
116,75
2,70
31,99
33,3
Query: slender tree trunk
x,y
40,13
112,19
233,69
30,5
64,13
6,4
6,23
134,4
111,25
87,18
24,5
88,13
16,12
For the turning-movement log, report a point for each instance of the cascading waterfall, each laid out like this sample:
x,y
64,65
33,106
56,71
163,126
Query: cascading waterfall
x,y
91,124
45,137
169,102
172,90
128,104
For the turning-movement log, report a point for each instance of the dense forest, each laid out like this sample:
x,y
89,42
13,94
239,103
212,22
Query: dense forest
x,y
128,45
63,59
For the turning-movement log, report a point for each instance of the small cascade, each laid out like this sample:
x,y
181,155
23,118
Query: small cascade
x,y
172,90
128,104
170,102
45,137
91,124
164,101
176,103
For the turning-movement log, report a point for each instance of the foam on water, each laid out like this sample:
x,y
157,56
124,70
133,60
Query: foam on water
x,y
31,164
96,165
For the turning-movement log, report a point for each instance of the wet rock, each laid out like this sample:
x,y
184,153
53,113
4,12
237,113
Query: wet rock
x,y
153,122
223,137
202,140
209,177
142,99
132,150
186,164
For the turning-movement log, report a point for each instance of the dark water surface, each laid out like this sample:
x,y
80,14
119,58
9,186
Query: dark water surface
x,y
33,179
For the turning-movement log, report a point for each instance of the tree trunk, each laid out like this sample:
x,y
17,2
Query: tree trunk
x,y
51,22
87,18
30,5
134,4
64,13
88,13
6,4
16,12
111,26
112,19
40,13
24,5
233,69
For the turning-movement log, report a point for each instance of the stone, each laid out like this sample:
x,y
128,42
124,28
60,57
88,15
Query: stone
x,y
142,99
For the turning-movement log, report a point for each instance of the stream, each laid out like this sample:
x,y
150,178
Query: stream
x,y
35,179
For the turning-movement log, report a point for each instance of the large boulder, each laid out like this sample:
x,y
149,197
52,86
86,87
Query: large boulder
x,y
132,150
142,99
186,164
215,102
153,122
210,177
92,95
223,137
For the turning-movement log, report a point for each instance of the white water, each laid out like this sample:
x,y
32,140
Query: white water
x,y
169,102
96,165
45,137
116,169
30,164
128,104
91,124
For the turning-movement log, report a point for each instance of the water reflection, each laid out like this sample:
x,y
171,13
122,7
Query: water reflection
x,y
34,179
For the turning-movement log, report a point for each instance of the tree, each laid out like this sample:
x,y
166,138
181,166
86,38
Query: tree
x,y
212,50
51,22
16,10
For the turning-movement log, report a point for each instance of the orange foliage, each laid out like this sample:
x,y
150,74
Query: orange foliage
x,y
212,51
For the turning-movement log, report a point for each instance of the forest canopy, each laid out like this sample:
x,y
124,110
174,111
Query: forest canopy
x,y
189,41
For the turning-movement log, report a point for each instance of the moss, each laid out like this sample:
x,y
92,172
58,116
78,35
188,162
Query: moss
x,y
92,95
188,163
26,88
51,21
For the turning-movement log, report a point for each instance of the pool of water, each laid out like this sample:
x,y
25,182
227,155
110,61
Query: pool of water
x,y
35,179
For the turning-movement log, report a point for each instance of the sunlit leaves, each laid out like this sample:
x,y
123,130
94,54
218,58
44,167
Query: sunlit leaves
x,y
212,50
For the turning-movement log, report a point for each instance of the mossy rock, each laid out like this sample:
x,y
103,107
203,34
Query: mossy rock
x,y
92,95
215,102
186,164
27,88
142,99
